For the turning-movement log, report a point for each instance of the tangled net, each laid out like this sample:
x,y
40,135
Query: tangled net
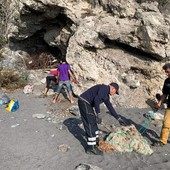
x,y
126,139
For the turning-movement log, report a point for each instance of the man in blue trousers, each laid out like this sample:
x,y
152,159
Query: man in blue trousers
x,y
89,106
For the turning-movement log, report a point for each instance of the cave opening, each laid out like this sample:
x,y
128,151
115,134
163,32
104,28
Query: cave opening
x,y
40,53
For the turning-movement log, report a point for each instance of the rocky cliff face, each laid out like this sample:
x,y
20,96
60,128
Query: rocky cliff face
x,y
119,41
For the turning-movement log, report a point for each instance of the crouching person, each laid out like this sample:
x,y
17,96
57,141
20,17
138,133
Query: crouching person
x,y
89,106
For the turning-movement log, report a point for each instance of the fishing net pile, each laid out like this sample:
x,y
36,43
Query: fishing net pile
x,y
126,139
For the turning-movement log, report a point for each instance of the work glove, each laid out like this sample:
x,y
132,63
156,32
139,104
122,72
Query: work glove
x,y
99,118
121,122
74,80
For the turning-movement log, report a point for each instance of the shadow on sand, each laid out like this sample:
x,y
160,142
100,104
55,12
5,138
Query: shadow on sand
x,y
73,125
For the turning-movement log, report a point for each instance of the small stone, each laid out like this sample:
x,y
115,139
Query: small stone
x,y
13,126
38,116
83,166
49,118
63,148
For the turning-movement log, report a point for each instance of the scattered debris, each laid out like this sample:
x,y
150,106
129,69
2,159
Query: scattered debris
x,y
154,115
4,100
126,139
39,116
28,89
13,126
12,106
87,167
74,110
63,148
158,116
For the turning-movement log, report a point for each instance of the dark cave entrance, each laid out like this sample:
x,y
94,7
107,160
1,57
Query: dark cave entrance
x,y
40,53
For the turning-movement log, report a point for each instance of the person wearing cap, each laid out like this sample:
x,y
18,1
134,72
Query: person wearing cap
x,y
89,106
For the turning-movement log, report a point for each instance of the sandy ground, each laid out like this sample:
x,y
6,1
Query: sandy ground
x,y
34,143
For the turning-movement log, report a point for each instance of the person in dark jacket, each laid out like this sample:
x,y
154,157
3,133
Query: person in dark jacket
x,y
89,106
166,96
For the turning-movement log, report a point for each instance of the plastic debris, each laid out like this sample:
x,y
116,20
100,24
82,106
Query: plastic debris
x,y
4,100
28,89
126,139
154,115
158,116
12,106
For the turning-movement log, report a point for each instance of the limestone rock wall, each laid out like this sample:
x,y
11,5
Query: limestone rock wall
x,y
121,41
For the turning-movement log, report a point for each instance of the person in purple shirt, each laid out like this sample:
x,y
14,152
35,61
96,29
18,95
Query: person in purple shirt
x,y
64,74
89,106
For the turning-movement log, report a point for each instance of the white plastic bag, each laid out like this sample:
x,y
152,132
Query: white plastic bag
x,y
28,89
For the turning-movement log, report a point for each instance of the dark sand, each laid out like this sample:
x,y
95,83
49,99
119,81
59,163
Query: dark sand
x,y
33,145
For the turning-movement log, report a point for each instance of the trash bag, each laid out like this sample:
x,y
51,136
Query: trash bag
x,y
12,106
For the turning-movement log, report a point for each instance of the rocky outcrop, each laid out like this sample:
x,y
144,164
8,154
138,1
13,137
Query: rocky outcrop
x,y
115,41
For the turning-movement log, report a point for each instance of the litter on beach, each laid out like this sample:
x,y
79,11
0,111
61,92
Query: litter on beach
x,y
126,139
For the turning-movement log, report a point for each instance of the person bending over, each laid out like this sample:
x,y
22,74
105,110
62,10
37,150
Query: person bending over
x,y
89,106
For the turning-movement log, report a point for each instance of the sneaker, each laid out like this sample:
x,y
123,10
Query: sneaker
x,y
158,144
94,151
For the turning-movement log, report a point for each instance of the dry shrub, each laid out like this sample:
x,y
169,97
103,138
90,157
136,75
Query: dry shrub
x,y
41,61
10,79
